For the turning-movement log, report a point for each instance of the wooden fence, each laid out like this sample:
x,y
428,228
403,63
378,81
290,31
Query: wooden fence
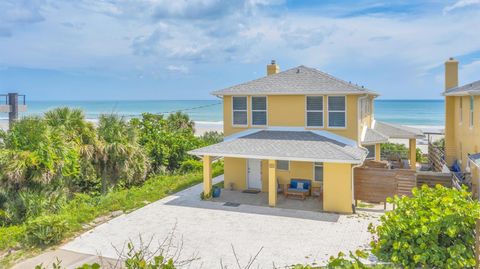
x,y
436,157
433,178
376,184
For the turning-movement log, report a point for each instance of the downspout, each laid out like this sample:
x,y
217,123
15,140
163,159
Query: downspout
x,y
360,146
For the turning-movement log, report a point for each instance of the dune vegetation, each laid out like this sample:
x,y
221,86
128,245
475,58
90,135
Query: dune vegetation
x,y
60,171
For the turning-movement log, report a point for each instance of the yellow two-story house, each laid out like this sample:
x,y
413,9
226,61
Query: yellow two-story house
x,y
462,123
299,124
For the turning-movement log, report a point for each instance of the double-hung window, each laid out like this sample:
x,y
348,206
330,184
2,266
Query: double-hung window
x,y
239,110
314,111
318,172
259,110
472,100
337,111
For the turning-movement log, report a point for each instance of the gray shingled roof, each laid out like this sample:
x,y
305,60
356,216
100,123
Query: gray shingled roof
x,y
298,80
285,145
468,89
374,137
397,131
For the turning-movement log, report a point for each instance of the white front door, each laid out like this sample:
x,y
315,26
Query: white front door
x,y
254,174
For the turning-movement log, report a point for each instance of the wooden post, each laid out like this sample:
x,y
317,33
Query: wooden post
x,y
413,153
13,114
272,183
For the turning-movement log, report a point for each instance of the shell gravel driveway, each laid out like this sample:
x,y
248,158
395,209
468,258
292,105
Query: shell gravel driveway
x,y
208,230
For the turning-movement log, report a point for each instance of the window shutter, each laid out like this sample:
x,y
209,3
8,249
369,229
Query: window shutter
x,y
314,102
239,103
259,118
336,103
315,119
259,103
240,117
336,119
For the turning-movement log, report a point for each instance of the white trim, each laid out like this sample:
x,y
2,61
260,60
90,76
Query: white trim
x,y
296,93
232,110
364,132
306,111
266,157
266,111
373,123
345,112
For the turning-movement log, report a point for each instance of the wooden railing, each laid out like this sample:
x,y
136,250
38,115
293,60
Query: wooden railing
x,y
431,179
436,157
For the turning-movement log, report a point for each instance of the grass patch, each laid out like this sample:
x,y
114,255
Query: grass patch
x,y
83,209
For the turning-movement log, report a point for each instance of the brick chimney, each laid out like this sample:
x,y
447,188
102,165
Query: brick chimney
x,y
273,68
451,73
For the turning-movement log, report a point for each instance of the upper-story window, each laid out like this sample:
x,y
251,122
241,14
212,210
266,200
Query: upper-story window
x,y
314,111
259,110
337,111
239,110
472,100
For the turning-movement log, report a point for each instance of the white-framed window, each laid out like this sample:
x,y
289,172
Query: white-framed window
x,y
283,165
239,111
259,110
472,101
337,111
461,109
371,152
314,111
318,172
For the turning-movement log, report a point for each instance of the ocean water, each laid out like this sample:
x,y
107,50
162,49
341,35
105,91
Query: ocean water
x,y
407,112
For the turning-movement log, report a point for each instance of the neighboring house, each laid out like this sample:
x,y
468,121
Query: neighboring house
x,y
300,123
462,123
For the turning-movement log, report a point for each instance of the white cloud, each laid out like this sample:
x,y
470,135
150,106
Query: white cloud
x,y
178,69
460,4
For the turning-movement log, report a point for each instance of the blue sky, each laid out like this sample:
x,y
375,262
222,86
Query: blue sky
x,y
164,49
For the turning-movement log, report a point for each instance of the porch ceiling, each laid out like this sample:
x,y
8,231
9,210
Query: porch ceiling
x,y
286,145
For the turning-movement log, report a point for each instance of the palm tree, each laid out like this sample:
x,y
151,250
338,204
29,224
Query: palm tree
x,y
180,121
118,154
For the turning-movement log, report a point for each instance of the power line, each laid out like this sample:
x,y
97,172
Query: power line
x,y
177,110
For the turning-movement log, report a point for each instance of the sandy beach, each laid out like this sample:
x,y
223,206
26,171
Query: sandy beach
x,y
202,127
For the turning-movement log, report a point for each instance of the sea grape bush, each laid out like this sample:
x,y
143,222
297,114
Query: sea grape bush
x,y
434,229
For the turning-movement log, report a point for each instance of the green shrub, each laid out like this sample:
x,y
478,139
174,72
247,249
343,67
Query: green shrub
x,y
11,236
433,229
45,230
191,166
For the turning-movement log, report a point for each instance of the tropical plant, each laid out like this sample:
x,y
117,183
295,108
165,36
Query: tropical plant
x,y
433,229
118,154
166,141
45,230
211,137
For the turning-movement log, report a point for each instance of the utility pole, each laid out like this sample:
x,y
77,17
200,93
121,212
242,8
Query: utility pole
x,y
13,103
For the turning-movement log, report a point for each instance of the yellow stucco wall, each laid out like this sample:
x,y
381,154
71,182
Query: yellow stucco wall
x,y
337,184
235,171
461,138
289,110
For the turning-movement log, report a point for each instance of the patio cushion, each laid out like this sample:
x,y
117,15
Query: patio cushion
x,y
299,185
294,183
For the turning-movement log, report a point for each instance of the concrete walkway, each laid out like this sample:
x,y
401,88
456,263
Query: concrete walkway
x,y
207,231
